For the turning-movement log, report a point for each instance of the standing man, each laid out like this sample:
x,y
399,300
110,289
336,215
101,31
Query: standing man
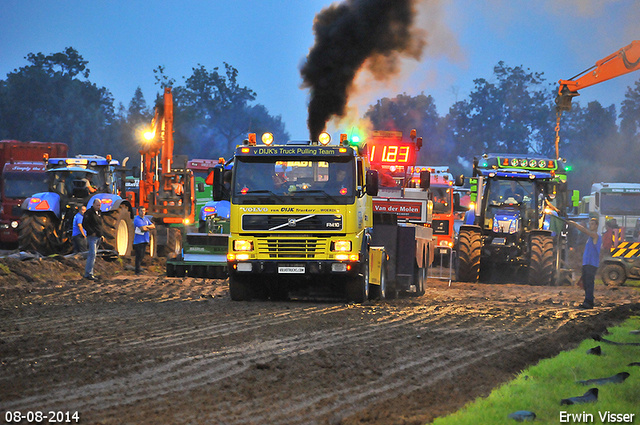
x,y
142,225
79,235
590,259
93,225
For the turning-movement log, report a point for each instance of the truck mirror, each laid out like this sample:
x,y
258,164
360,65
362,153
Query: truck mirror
x,y
425,180
200,187
456,201
135,171
418,143
217,183
372,182
459,180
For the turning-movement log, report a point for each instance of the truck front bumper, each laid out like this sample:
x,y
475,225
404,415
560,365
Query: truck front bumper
x,y
293,268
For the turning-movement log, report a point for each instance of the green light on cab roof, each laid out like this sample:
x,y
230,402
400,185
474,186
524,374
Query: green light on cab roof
x,y
356,139
485,164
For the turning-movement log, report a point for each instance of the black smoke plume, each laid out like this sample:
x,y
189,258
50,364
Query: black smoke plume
x,y
346,35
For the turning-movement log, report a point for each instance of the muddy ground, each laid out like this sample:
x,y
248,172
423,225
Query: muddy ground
x,y
129,349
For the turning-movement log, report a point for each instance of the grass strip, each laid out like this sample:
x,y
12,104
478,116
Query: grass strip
x,y
540,388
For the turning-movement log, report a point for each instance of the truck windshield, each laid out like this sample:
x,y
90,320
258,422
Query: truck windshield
x,y
620,203
23,185
276,181
441,199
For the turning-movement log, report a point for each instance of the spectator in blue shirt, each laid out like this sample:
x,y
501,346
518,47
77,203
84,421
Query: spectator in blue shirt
x,y
79,235
141,238
590,259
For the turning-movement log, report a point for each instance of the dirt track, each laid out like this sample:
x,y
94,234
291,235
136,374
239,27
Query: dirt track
x,y
149,349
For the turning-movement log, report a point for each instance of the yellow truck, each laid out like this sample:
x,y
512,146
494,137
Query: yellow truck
x,y
301,216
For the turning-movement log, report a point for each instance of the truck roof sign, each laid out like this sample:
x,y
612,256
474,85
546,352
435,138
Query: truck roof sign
x,y
294,151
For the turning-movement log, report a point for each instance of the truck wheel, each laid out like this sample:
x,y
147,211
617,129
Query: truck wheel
x,y
118,228
613,275
38,232
469,251
358,287
541,263
239,288
386,289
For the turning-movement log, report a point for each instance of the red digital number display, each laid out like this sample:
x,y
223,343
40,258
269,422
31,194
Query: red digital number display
x,y
392,153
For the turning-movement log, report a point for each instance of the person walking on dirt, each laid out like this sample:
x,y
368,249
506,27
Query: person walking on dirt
x,y
79,235
141,238
590,259
93,225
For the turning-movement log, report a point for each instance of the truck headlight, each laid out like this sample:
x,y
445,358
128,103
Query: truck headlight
x,y
341,246
242,245
14,224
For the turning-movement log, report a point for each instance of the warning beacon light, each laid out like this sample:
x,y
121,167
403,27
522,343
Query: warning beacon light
x,y
267,139
344,141
324,138
251,141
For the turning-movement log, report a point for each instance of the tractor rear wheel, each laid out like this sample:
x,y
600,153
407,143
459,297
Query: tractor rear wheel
x,y
38,232
118,231
541,264
613,275
469,251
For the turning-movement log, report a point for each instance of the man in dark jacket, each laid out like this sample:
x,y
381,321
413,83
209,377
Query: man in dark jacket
x,y
93,225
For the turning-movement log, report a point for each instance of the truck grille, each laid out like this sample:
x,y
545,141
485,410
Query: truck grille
x,y
307,222
290,248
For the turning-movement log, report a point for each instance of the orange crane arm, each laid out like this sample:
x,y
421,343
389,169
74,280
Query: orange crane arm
x,y
619,63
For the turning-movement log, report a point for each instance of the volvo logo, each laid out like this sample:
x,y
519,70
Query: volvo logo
x,y
291,222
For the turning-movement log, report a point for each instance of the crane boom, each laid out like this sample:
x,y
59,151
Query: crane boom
x,y
616,64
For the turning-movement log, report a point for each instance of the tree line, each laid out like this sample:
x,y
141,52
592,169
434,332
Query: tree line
x,y
52,99
515,112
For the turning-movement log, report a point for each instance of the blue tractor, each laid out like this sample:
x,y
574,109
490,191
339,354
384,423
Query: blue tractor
x,y
517,224
47,219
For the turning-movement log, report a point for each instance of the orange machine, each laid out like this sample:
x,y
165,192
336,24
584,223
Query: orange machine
x,y
166,183
619,63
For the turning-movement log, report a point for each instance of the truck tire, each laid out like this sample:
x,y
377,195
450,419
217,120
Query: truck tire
x,y
239,289
469,251
358,287
541,264
38,232
118,231
386,290
419,279
613,275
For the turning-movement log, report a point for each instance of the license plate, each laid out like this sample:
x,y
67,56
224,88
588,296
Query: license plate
x,y
289,270
498,241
